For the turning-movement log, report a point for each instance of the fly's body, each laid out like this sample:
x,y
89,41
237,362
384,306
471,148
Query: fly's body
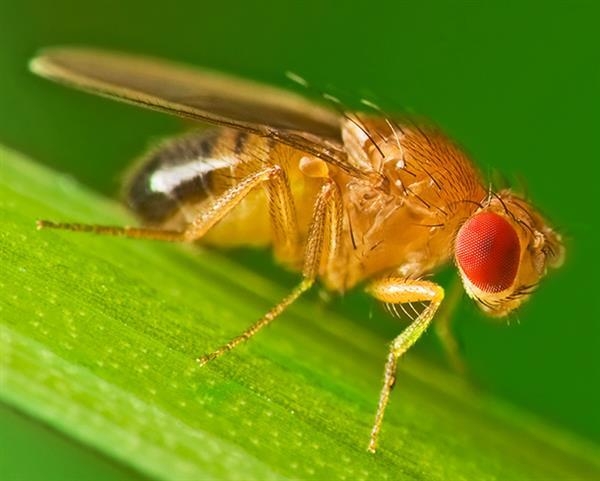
x,y
347,198
405,222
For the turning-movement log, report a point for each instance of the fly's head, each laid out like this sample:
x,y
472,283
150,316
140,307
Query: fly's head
x,y
503,250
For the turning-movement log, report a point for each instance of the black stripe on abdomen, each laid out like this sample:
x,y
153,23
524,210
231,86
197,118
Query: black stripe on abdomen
x,y
177,171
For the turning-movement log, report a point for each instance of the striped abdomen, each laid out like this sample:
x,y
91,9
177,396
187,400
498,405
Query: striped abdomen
x,y
176,180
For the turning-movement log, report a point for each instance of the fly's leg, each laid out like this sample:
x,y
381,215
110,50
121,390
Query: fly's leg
x,y
114,230
395,290
213,213
284,224
443,327
324,233
321,244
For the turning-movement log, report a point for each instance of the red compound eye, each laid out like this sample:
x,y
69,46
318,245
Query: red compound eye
x,y
487,251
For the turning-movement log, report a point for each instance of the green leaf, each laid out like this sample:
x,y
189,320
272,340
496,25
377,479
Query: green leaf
x,y
99,337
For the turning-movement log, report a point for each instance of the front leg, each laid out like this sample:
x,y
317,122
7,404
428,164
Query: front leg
x,y
443,327
395,290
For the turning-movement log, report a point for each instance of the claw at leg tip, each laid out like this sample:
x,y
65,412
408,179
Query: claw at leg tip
x,y
204,360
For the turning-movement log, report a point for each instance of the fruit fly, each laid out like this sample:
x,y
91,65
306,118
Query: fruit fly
x,y
347,198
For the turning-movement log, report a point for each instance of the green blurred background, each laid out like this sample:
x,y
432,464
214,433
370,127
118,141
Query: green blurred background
x,y
517,85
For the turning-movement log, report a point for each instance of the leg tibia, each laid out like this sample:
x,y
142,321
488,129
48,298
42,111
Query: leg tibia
x,y
118,231
315,253
443,327
257,326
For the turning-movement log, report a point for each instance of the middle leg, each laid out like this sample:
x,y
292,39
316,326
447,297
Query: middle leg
x,y
325,225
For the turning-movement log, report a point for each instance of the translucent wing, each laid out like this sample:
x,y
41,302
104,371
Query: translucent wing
x,y
201,95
